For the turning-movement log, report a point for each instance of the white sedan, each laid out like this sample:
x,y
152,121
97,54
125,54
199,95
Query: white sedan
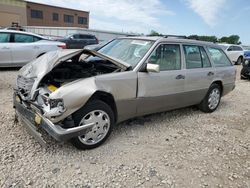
x,y
234,52
18,48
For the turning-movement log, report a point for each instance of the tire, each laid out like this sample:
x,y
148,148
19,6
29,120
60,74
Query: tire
x,y
214,94
242,78
102,115
239,61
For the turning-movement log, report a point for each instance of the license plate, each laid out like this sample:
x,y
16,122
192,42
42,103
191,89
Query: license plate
x,y
38,119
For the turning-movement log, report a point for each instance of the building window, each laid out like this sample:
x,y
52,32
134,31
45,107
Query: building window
x,y
55,17
68,18
37,14
82,20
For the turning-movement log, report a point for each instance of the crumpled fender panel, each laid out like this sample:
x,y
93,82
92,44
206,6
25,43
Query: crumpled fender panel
x,y
122,86
74,95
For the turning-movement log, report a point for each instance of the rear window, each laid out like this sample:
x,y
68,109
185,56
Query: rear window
x,y
4,37
219,57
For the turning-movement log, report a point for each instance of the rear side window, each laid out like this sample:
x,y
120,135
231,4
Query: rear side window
x,y
87,37
237,48
4,37
204,57
23,38
196,57
36,39
76,36
219,57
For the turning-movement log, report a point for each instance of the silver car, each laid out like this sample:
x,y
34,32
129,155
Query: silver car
x,y
79,95
17,48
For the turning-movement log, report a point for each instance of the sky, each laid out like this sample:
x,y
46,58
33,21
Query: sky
x,y
178,17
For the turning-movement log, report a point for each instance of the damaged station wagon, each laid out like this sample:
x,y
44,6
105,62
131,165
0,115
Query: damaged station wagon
x,y
79,95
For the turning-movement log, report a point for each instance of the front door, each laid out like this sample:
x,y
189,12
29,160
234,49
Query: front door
x,y
164,90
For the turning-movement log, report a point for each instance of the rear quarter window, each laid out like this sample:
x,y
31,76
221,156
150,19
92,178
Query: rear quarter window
x,y
219,57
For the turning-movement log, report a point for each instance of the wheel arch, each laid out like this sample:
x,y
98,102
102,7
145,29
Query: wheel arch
x,y
107,98
40,54
220,83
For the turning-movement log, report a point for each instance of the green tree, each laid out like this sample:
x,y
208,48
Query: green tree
x,y
154,33
233,39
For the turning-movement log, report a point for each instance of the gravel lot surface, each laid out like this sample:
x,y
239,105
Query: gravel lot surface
x,y
181,148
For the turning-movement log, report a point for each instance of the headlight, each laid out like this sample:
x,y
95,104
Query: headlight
x,y
52,103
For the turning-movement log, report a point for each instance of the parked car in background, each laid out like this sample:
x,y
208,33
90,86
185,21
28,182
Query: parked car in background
x,y
18,48
246,52
234,52
79,41
79,95
245,71
18,28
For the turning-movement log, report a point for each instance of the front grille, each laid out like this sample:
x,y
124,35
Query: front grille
x,y
24,85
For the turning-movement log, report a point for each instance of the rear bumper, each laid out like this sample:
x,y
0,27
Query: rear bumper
x,y
34,122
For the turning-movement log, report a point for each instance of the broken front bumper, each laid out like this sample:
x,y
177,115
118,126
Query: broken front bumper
x,y
34,121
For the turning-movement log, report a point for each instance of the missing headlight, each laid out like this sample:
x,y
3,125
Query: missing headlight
x,y
53,103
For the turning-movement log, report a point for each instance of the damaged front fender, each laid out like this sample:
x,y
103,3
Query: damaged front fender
x,y
74,96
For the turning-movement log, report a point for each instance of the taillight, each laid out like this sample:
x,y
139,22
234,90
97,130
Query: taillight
x,y
63,46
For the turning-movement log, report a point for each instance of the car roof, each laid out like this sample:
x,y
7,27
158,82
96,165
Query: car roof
x,y
21,32
172,39
81,34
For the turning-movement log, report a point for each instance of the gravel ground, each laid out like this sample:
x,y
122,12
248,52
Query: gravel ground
x,y
181,148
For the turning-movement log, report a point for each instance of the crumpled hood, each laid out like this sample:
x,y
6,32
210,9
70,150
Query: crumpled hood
x,y
44,64
39,67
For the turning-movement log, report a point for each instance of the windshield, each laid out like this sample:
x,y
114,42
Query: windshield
x,y
130,51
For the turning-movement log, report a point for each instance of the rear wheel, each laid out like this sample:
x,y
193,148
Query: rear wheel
x,y
102,116
212,99
239,61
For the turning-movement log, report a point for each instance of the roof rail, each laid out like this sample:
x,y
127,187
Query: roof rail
x,y
175,36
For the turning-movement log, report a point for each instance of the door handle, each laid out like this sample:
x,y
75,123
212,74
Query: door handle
x,y
210,74
36,47
6,48
179,77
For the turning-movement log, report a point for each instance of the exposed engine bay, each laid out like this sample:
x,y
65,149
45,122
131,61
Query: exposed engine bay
x,y
70,70
77,68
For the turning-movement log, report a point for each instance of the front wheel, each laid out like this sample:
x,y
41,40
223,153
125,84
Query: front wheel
x,y
102,116
212,99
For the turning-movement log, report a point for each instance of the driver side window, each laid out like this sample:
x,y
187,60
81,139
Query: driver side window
x,y
167,56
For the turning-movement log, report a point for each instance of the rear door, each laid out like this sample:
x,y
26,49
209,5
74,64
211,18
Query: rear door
x,y
164,90
24,49
199,73
5,49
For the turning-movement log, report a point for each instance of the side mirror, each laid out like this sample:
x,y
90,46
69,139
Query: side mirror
x,y
153,68
71,38
229,49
